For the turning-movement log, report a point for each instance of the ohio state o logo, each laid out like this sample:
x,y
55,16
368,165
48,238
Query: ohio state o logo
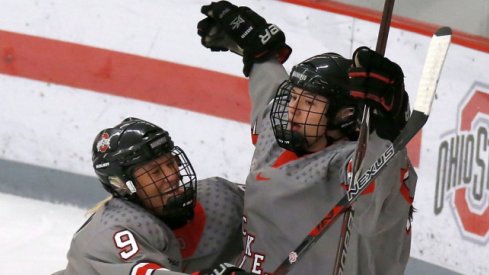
x,y
462,178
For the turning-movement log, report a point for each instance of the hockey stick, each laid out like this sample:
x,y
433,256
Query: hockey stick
x,y
362,141
380,48
426,92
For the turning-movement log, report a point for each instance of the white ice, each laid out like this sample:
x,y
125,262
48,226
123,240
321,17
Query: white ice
x,y
35,235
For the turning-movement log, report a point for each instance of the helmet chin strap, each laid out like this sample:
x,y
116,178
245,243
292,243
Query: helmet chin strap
x,y
297,143
291,141
184,213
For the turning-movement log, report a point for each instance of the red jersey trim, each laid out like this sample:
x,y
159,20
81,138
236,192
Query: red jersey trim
x,y
146,268
189,235
286,157
254,138
404,188
260,177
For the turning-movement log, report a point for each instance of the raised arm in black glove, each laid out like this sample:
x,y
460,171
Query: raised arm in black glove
x,y
379,82
242,31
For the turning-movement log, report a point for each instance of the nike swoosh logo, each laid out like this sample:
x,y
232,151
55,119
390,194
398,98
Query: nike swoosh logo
x,y
260,177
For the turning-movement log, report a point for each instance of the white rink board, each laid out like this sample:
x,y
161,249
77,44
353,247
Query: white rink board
x,y
53,126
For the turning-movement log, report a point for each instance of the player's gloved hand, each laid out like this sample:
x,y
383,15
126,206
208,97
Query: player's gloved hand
x,y
242,31
379,82
223,269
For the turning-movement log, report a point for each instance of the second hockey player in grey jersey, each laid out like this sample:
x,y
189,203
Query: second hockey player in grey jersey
x,y
160,219
303,124
292,184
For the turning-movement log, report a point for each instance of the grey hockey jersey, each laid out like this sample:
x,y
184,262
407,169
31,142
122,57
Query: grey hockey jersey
x,y
124,238
287,195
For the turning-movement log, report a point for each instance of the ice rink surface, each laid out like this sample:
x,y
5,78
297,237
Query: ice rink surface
x,y
35,235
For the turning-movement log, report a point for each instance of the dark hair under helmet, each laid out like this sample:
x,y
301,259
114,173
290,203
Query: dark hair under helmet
x,y
118,150
326,75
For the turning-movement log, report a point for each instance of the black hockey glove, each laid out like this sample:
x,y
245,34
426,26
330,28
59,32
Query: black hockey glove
x,y
379,82
242,31
223,269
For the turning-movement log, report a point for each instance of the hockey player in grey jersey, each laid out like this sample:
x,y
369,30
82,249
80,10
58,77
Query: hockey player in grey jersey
x,y
160,219
303,125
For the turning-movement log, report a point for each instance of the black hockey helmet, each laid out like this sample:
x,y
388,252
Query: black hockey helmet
x,y
325,75
117,151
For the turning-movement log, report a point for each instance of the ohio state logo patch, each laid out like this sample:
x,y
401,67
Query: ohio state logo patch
x,y
104,143
462,179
